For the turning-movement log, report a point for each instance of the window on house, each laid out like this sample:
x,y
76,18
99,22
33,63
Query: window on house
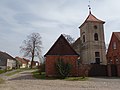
x,y
83,38
117,61
96,37
114,45
109,60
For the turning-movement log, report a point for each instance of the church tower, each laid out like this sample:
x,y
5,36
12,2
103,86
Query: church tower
x,y
92,48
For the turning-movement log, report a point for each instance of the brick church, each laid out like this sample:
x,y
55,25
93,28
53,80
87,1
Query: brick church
x,y
89,49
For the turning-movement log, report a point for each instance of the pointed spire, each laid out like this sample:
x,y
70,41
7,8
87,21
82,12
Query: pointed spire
x,y
89,7
91,17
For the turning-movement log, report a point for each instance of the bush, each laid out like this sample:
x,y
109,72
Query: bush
x,y
63,68
41,68
37,75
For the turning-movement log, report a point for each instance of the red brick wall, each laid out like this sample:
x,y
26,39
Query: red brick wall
x,y
51,60
112,53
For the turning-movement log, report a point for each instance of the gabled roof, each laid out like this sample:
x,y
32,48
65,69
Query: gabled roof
x,y
61,47
4,55
92,18
22,60
76,43
117,34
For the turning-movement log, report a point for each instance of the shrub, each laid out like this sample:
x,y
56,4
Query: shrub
x,y
41,68
63,68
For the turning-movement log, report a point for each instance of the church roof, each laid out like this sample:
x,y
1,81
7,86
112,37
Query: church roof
x,y
117,34
92,18
61,47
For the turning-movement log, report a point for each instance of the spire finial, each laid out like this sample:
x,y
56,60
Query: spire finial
x,y
89,7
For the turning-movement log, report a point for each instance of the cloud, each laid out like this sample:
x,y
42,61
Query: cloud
x,y
50,18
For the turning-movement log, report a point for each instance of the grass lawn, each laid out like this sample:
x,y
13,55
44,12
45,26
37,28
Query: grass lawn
x,y
2,71
1,81
17,71
38,76
76,79
42,76
12,73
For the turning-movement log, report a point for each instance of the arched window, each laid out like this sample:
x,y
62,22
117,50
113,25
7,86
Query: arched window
x,y
96,37
83,38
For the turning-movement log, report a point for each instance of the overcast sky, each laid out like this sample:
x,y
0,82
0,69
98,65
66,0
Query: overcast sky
x,y
50,18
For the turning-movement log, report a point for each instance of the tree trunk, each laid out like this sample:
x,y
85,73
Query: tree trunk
x,y
32,62
33,51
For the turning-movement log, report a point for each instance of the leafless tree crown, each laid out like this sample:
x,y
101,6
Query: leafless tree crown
x,y
32,45
69,38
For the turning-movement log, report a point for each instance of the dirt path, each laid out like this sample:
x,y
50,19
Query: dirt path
x,y
25,81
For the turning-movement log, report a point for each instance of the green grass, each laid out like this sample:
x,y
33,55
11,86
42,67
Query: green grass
x,y
1,81
38,76
2,71
12,73
17,71
76,79
42,76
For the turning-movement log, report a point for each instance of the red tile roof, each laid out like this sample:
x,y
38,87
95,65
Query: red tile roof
x,y
22,60
61,47
92,18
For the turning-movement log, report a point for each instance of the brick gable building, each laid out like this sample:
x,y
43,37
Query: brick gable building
x,y
61,49
113,53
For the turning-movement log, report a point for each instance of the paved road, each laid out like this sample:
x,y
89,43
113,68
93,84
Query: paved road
x,y
25,81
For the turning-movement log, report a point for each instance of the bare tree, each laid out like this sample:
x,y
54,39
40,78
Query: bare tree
x,y
32,46
69,38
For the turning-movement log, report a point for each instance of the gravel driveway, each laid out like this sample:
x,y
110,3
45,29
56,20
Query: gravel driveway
x,y
25,81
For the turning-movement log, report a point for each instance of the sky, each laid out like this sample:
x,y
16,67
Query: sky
x,y
50,18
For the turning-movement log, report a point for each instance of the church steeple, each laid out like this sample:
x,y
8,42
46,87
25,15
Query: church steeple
x,y
92,48
89,7
91,18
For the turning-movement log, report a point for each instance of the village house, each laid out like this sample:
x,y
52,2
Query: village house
x,y
35,64
7,62
113,55
60,50
23,63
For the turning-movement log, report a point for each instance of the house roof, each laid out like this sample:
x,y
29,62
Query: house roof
x,y
76,42
117,34
4,55
22,60
76,45
61,47
92,18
